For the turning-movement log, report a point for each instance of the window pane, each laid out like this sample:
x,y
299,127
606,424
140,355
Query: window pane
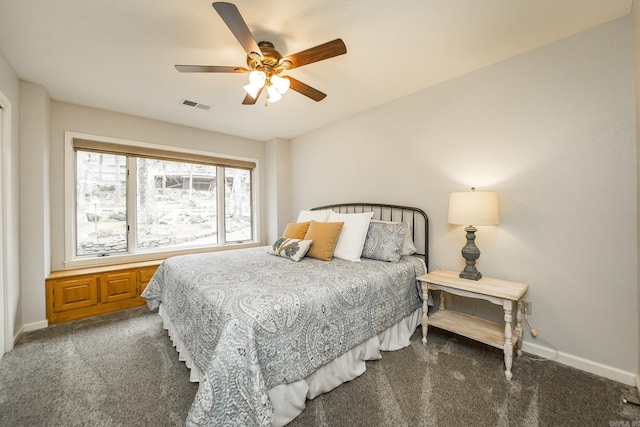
x,y
101,213
238,218
176,205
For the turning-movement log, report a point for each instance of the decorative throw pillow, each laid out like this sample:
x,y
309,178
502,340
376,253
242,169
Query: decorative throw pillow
x,y
384,241
354,232
325,237
296,230
319,216
294,249
408,247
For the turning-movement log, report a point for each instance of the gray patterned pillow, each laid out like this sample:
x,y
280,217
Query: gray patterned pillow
x,y
294,249
384,241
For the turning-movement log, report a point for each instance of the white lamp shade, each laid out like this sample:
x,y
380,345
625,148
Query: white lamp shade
x,y
252,90
257,78
256,82
274,95
281,84
474,208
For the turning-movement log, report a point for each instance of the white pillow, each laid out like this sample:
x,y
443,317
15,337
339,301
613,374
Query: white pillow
x,y
354,232
319,216
408,247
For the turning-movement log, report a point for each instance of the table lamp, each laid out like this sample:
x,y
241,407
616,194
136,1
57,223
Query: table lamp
x,y
473,208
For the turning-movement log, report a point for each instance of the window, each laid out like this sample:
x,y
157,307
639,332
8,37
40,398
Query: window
x,y
237,204
136,200
176,205
101,204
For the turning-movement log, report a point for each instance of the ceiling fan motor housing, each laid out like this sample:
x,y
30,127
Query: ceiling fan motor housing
x,y
271,61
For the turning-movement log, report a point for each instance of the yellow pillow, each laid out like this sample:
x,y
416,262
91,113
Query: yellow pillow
x,y
325,237
296,230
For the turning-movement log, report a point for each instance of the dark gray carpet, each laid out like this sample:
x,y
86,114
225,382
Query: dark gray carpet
x,y
121,370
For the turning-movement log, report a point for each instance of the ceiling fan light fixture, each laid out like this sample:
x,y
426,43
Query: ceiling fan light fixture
x,y
257,80
251,90
281,84
274,94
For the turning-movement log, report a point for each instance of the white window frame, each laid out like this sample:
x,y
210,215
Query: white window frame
x,y
72,261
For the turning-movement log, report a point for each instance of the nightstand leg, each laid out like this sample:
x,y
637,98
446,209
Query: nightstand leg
x,y
519,329
425,311
508,346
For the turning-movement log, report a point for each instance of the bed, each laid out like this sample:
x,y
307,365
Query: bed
x,y
262,333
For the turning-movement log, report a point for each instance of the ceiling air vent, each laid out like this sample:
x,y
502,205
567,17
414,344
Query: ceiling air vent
x,y
195,104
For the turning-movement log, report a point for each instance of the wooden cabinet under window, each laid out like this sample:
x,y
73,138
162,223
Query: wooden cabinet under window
x,y
78,293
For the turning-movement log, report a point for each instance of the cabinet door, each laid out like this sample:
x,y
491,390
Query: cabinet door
x,y
72,294
144,276
117,286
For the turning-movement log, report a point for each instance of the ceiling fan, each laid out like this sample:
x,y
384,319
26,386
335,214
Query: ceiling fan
x,y
265,63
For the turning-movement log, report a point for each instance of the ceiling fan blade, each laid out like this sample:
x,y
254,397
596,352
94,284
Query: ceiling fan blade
x,y
324,51
231,16
210,69
249,100
305,89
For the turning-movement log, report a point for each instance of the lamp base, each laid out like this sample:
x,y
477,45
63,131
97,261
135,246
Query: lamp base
x,y
471,276
470,253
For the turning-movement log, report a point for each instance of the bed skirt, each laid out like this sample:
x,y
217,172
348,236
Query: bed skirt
x,y
288,400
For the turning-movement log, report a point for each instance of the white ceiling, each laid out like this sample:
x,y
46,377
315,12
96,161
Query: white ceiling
x,y
119,55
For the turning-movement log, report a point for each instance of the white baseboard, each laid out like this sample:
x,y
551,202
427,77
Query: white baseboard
x,y
17,336
35,326
30,327
638,384
625,377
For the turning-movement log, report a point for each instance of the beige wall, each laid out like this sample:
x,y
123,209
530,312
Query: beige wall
x,y
35,243
10,311
278,187
552,131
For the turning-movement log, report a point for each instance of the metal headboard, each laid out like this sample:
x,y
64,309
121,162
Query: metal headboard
x,y
416,217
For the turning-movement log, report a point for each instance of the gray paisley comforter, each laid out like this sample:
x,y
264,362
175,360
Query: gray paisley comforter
x,y
252,321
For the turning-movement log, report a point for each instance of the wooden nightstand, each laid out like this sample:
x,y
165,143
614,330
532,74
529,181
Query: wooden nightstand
x,y
500,292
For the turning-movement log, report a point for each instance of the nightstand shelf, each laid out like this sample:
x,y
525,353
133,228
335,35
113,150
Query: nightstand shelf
x,y
482,330
501,292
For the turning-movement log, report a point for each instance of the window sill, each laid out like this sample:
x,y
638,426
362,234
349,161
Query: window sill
x,y
150,256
